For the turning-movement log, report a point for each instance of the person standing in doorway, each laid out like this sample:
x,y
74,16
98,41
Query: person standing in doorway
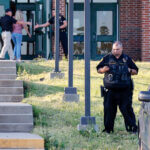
x,y
17,35
6,23
62,30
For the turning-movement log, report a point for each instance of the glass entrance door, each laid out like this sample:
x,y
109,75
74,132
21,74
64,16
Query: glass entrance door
x,y
32,47
103,29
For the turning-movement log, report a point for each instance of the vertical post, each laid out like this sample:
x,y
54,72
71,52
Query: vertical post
x,y
70,43
70,92
47,29
57,73
56,35
87,119
87,47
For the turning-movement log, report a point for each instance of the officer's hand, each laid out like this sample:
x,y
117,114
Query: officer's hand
x,y
132,71
103,70
36,26
29,23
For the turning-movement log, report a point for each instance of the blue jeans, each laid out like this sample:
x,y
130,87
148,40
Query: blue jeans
x,y
17,39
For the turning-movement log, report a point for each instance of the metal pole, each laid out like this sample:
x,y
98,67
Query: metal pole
x,y
87,56
47,30
57,36
70,43
87,119
57,73
70,92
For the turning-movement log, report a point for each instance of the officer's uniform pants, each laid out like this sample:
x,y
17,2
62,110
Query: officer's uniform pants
x,y
130,111
7,47
64,42
112,99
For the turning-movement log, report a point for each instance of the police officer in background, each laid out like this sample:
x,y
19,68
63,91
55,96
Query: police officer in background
x,y
62,30
118,87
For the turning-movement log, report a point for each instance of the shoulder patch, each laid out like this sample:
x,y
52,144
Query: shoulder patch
x,y
124,60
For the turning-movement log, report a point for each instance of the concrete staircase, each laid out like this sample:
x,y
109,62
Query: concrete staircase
x,y
16,118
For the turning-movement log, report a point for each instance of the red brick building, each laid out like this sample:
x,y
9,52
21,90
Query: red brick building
x,y
111,20
124,20
135,28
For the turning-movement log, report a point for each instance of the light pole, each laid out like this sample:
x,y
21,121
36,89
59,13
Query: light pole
x,y
70,91
57,73
87,119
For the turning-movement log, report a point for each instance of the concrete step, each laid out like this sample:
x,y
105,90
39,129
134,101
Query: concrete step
x,y
16,118
7,76
11,98
16,127
7,63
11,83
15,108
21,141
7,70
11,90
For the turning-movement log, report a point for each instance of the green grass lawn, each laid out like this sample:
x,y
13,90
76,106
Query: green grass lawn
x,y
57,121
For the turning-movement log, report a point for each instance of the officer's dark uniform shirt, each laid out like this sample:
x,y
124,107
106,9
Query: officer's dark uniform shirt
x,y
61,20
7,22
105,61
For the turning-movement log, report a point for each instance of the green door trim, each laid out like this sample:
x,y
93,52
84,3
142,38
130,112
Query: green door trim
x,y
5,3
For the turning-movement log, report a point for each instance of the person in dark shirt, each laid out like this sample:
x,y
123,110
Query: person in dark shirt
x,y
62,30
116,93
6,23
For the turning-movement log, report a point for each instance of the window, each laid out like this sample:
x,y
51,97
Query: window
x,y
104,48
104,26
96,1
2,10
104,1
78,23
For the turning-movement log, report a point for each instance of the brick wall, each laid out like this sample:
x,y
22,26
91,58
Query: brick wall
x,y
145,24
62,9
130,27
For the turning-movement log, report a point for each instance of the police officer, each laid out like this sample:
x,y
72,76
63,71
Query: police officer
x,y
6,23
118,69
62,30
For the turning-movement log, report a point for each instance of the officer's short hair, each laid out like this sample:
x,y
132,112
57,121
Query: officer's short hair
x,y
8,10
118,43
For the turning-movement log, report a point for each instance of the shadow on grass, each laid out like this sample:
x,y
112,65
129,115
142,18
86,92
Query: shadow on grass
x,y
48,117
142,83
32,68
40,90
91,77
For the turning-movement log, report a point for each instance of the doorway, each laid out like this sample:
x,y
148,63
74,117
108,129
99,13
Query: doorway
x,y
103,29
